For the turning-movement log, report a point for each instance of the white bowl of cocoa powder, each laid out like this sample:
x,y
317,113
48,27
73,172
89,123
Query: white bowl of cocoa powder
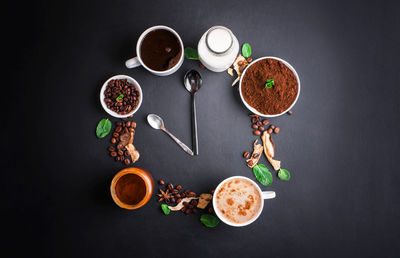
x,y
273,101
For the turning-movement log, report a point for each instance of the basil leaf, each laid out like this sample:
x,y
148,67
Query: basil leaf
x,y
284,174
269,83
103,128
165,209
121,96
209,221
191,53
262,174
246,50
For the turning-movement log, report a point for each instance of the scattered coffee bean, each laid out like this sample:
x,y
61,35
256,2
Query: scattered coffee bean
x,y
118,129
119,123
246,155
127,153
260,128
127,161
269,130
178,187
256,155
113,154
115,134
118,158
161,182
133,124
276,130
174,191
256,132
172,200
210,210
265,121
170,186
120,153
111,148
128,124
290,112
185,204
272,127
254,120
113,140
178,200
240,63
249,60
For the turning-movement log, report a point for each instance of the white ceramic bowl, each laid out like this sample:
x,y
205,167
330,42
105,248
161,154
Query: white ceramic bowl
x,y
131,80
253,110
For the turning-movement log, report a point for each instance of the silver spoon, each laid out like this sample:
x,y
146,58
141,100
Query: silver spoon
x,y
193,82
157,123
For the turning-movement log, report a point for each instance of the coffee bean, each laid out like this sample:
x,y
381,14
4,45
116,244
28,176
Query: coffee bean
x,y
118,129
115,134
254,126
240,63
178,200
194,202
249,60
172,200
128,124
256,132
113,140
256,155
290,112
119,123
259,123
127,153
178,187
260,128
254,120
127,161
178,196
113,154
121,158
185,204
246,155
131,129
174,191
118,158
210,210
183,195
170,186
111,148
276,130
120,153
269,130
161,182
192,194
183,209
272,127
265,121
191,206
133,124
241,68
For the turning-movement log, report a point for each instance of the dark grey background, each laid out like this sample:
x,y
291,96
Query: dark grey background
x,y
341,144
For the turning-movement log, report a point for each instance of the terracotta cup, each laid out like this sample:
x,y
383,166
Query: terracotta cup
x,y
148,182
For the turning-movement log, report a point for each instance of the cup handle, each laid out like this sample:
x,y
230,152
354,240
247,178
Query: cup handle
x,y
132,63
268,195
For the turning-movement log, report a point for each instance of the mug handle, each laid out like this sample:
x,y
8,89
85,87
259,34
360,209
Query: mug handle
x,y
268,195
132,63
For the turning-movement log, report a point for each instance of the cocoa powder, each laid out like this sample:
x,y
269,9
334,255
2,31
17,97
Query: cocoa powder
x,y
274,100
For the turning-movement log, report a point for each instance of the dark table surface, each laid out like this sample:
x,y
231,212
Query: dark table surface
x,y
341,144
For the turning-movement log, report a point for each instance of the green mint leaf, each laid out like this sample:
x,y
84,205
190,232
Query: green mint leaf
x,y
246,50
209,221
284,174
191,53
103,128
262,174
165,209
269,83
121,96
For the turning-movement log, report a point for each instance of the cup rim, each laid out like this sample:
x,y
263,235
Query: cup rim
x,y
141,37
253,110
133,171
222,218
103,88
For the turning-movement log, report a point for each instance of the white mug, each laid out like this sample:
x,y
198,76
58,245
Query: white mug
x,y
264,195
137,61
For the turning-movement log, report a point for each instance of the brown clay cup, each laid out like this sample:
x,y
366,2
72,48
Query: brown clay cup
x,y
142,177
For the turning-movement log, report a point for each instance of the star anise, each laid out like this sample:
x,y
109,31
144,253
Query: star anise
x,y
164,196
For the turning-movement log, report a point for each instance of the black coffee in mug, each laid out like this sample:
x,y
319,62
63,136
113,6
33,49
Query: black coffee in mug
x,y
160,50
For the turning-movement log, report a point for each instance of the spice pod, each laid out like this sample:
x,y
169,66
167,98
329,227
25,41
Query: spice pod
x,y
252,109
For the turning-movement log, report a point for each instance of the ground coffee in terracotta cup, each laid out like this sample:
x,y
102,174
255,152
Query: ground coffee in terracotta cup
x,y
131,188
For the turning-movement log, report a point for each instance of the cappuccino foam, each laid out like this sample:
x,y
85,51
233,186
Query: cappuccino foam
x,y
238,200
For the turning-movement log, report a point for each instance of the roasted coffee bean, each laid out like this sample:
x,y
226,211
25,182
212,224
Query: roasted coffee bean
x,y
185,204
254,126
120,153
118,129
172,200
131,129
269,130
118,158
276,130
113,140
111,148
254,120
261,129
127,161
170,186
133,124
131,116
256,132
115,134
119,123
187,191
128,124
272,127
265,121
210,210
121,158
246,155
183,195
241,68
178,196
249,60
161,182
178,200
113,154
190,206
192,194
290,112
256,155
127,153
259,123
183,209
174,191
194,202
240,63
178,187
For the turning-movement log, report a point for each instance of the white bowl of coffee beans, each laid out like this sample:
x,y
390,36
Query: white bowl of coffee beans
x,y
121,96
